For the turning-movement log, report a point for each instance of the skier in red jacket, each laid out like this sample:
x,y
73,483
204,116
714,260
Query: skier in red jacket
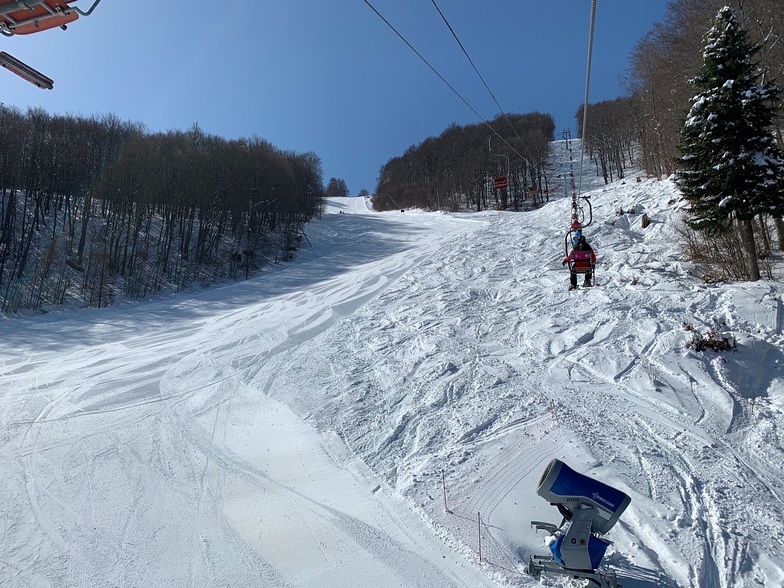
x,y
581,261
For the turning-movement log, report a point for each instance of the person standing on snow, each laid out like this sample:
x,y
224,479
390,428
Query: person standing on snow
x,y
582,260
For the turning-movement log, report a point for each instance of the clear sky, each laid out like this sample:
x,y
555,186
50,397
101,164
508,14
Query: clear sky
x,y
328,77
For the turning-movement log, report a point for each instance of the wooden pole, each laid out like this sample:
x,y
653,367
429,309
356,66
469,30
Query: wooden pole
x,y
479,524
443,485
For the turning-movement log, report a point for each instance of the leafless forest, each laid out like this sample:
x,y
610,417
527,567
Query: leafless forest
x,y
94,208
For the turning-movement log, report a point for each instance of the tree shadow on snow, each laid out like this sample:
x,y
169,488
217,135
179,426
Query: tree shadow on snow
x,y
753,367
339,246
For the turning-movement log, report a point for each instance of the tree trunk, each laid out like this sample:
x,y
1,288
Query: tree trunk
x,y
88,204
747,234
780,230
765,236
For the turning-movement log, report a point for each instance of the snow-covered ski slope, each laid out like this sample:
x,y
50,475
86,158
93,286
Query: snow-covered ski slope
x,y
294,430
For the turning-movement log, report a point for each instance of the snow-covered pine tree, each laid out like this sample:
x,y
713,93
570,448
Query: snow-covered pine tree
x,y
731,169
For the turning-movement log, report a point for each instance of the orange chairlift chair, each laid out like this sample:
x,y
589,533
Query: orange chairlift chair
x,y
23,17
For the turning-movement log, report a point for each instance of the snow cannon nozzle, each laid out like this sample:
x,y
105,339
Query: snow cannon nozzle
x,y
561,485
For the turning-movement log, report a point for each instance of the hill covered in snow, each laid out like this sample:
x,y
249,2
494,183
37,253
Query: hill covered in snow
x,y
346,419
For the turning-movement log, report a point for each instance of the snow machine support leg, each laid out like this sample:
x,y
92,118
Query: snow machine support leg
x,y
541,564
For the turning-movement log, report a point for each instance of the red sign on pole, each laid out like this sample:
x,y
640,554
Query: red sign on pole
x,y
501,183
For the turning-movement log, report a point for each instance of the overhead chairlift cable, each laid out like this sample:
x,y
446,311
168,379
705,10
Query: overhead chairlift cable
x,y
471,61
587,87
576,224
435,71
577,193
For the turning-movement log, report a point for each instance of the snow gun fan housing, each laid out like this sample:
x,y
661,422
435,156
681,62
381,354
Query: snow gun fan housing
x,y
572,491
589,508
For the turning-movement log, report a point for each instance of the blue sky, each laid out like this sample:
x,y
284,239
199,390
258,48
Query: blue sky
x,y
328,77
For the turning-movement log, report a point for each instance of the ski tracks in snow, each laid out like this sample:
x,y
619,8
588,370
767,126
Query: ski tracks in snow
x,y
155,458
640,423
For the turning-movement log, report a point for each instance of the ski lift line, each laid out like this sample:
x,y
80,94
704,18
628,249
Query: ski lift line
x,y
587,87
435,71
489,91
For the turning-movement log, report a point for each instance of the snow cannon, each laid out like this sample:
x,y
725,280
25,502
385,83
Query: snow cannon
x,y
563,487
589,508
